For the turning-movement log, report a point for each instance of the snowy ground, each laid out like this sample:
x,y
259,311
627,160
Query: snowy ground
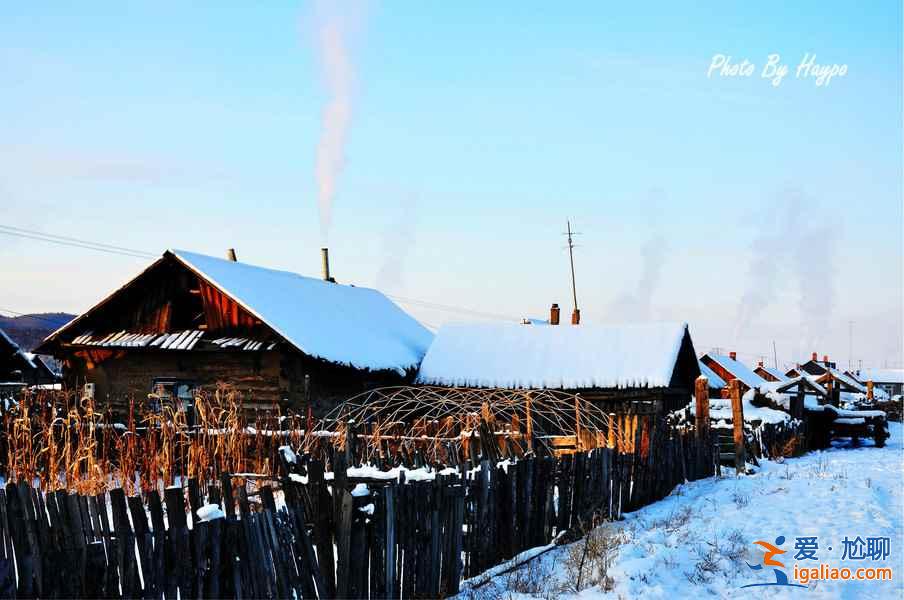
x,y
698,541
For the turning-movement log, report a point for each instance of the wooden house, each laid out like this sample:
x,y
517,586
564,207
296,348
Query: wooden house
x,y
889,380
190,321
640,367
814,366
730,368
19,368
715,383
770,373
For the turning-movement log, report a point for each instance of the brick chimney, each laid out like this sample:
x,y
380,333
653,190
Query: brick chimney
x,y
815,357
554,313
825,358
733,355
576,317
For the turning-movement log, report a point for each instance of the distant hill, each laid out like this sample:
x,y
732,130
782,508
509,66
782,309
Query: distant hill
x,y
29,330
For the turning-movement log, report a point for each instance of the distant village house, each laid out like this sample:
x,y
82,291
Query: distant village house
x,y
190,321
649,367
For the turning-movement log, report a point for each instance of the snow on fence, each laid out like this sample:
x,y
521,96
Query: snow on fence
x,y
349,533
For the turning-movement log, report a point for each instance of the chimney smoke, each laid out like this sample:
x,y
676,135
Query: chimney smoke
x,y
554,314
733,355
230,254
576,317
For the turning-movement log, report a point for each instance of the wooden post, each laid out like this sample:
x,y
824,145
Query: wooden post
x,y
737,419
611,441
797,403
579,446
869,391
701,397
530,423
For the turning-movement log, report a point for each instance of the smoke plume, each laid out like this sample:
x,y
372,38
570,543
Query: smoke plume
x,y
797,245
636,305
334,33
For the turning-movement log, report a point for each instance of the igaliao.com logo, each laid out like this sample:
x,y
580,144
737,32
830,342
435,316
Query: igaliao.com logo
x,y
806,549
781,578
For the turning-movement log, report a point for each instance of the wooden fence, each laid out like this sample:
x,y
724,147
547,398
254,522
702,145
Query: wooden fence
x,y
316,535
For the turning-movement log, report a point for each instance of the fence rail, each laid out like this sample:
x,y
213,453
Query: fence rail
x,y
323,535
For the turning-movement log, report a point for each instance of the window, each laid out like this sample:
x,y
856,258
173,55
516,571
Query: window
x,y
178,393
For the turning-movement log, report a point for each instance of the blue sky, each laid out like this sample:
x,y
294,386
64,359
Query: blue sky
x,y
475,131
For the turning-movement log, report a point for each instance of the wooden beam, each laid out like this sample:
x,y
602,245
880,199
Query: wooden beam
x,y
701,399
737,420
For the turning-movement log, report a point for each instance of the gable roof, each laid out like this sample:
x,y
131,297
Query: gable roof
x,y
774,372
345,324
788,384
881,375
738,369
8,347
715,382
509,355
845,380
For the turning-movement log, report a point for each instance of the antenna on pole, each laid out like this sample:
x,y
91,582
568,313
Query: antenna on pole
x,y
576,315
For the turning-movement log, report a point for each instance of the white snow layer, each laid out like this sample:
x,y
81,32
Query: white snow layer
x,y
210,512
696,542
509,355
340,323
881,375
738,369
775,373
720,411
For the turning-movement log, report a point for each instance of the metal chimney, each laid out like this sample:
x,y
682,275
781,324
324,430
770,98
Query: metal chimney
x,y
325,264
230,255
554,314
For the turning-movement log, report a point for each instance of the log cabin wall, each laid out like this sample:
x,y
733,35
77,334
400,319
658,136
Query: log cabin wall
x,y
324,385
287,377
128,375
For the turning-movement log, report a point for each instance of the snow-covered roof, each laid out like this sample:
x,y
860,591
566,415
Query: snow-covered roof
x,y
881,375
715,382
787,384
340,323
345,324
509,355
774,372
738,369
847,379
15,349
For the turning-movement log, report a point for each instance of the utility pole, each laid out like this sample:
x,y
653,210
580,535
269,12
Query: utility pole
x,y
576,315
850,344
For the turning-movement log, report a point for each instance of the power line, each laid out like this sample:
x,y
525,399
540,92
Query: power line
x,y
131,252
449,308
73,242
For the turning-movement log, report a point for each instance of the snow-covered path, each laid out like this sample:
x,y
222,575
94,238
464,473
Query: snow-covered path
x,y
698,541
